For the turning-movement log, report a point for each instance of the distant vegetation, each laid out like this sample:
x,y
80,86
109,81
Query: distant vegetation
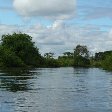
x,y
18,50
102,59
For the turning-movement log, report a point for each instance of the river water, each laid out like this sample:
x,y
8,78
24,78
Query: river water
x,y
56,90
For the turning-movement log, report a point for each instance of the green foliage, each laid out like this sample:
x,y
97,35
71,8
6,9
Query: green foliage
x,y
66,60
81,50
49,55
81,56
9,59
101,55
103,59
107,62
68,55
96,63
51,63
80,61
20,49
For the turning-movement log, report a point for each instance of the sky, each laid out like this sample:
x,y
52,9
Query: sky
x,y
59,25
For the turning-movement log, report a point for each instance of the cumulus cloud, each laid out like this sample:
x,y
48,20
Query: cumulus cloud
x,y
60,37
57,9
5,29
110,34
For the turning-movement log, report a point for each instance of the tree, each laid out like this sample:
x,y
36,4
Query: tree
x,y
9,58
49,55
81,50
81,56
50,61
21,46
68,54
103,59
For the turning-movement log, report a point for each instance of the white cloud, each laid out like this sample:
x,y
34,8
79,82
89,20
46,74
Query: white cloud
x,y
57,9
5,29
110,34
60,37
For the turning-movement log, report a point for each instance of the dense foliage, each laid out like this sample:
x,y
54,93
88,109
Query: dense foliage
x,y
81,56
103,59
18,50
50,61
66,60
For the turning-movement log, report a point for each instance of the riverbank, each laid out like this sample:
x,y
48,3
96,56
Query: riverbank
x,y
19,51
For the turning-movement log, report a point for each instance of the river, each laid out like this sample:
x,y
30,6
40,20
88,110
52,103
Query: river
x,y
56,90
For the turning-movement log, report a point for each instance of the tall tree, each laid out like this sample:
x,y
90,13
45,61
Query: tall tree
x,y
49,55
22,47
68,54
81,56
81,50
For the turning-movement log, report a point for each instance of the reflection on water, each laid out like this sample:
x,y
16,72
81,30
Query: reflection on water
x,y
55,90
15,79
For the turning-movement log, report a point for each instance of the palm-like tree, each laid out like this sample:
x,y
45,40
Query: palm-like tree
x,y
68,54
49,55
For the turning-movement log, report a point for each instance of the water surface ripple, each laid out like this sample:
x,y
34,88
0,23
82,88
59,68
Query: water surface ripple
x,y
56,90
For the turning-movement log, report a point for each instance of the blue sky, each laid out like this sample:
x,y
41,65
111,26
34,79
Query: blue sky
x,y
59,29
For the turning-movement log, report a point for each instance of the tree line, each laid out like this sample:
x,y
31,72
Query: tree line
x,y
18,50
